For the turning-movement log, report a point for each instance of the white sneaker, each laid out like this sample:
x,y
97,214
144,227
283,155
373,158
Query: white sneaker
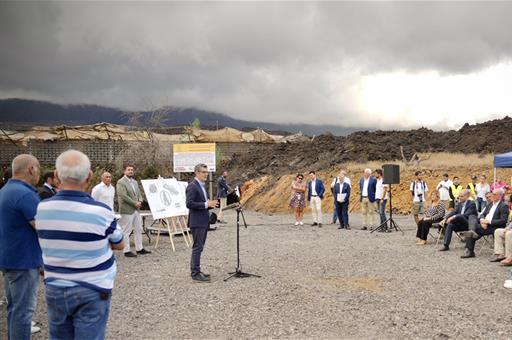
x,y
296,223
508,283
301,223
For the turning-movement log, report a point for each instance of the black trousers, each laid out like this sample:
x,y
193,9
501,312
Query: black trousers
x,y
423,228
342,212
459,223
199,238
474,224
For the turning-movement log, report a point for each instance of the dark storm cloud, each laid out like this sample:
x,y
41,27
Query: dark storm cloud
x,y
265,61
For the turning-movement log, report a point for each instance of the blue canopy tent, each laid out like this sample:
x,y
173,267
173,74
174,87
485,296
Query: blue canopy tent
x,y
503,160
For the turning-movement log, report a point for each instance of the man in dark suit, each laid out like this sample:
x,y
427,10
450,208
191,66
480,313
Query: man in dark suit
x,y
341,193
48,189
494,216
367,188
222,194
457,220
198,204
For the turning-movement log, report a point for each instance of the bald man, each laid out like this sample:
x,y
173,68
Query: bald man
x,y
78,235
20,253
105,192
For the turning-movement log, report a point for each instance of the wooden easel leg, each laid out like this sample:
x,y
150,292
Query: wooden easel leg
x,y
170,234
178,221
158,234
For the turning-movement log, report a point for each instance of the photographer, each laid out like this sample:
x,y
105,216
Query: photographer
x,y
418,190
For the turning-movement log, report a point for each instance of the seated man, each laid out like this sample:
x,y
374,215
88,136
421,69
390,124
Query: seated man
x,y
503,245
457,220
494,216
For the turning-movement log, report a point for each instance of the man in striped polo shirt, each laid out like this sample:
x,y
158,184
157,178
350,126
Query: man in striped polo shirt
x,y
77,235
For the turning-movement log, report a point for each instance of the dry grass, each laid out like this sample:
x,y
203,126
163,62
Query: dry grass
x,y
272,193
432,161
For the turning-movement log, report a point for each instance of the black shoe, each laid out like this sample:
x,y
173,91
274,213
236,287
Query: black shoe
x,y
200,278
347,227
130,254
445,248
143,252
468,255
314,224
319,225
364,228
205,275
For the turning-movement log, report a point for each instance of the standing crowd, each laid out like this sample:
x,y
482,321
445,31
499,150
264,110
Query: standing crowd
x,y
67,235
374,195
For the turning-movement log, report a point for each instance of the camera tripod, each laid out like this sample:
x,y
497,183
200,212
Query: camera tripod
x,y
238,270
392,224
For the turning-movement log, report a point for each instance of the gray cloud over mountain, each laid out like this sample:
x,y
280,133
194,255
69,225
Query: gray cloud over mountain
x,y
280,62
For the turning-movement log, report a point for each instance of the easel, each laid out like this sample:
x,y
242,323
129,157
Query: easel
x,y
171,225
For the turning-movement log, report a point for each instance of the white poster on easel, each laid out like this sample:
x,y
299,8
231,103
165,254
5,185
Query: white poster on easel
x,y
166,197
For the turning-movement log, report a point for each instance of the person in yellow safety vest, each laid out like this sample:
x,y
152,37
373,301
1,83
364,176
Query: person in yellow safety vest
x,y
455,190
471,186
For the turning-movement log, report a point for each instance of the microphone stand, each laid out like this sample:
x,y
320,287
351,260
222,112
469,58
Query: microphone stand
x,y
238,270
392,224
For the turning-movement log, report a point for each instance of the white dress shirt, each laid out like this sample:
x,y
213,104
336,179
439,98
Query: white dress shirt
x,y
313,188
489,216
104,193
444,190
365,187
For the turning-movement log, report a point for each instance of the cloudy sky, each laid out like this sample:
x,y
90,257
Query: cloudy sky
x,y
355,64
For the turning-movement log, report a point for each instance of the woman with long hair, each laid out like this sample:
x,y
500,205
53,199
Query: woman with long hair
x,y
435,213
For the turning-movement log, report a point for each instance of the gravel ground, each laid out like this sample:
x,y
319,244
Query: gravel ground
x,y
316,283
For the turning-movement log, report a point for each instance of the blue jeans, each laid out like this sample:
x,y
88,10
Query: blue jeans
x,y
334,214
76,313
381,205
21,292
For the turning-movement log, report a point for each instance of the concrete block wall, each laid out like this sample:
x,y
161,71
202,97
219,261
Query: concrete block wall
x,y
99,151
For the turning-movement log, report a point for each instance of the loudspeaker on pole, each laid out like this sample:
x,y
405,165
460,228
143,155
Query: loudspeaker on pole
x,y
391,174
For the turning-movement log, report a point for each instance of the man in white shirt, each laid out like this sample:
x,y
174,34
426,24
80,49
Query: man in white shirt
x,y
381,197
105,192
316,191
444,191
481,189
494,216
418,190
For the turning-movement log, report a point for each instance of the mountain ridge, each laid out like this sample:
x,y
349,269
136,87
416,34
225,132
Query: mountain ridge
x,y
37,112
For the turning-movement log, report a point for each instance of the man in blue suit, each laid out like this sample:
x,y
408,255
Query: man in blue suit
x,y
341,193
367,188
198,204
457,220
316,191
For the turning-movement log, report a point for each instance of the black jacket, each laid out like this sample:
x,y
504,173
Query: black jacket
x,y
468,211
46,192
500,216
